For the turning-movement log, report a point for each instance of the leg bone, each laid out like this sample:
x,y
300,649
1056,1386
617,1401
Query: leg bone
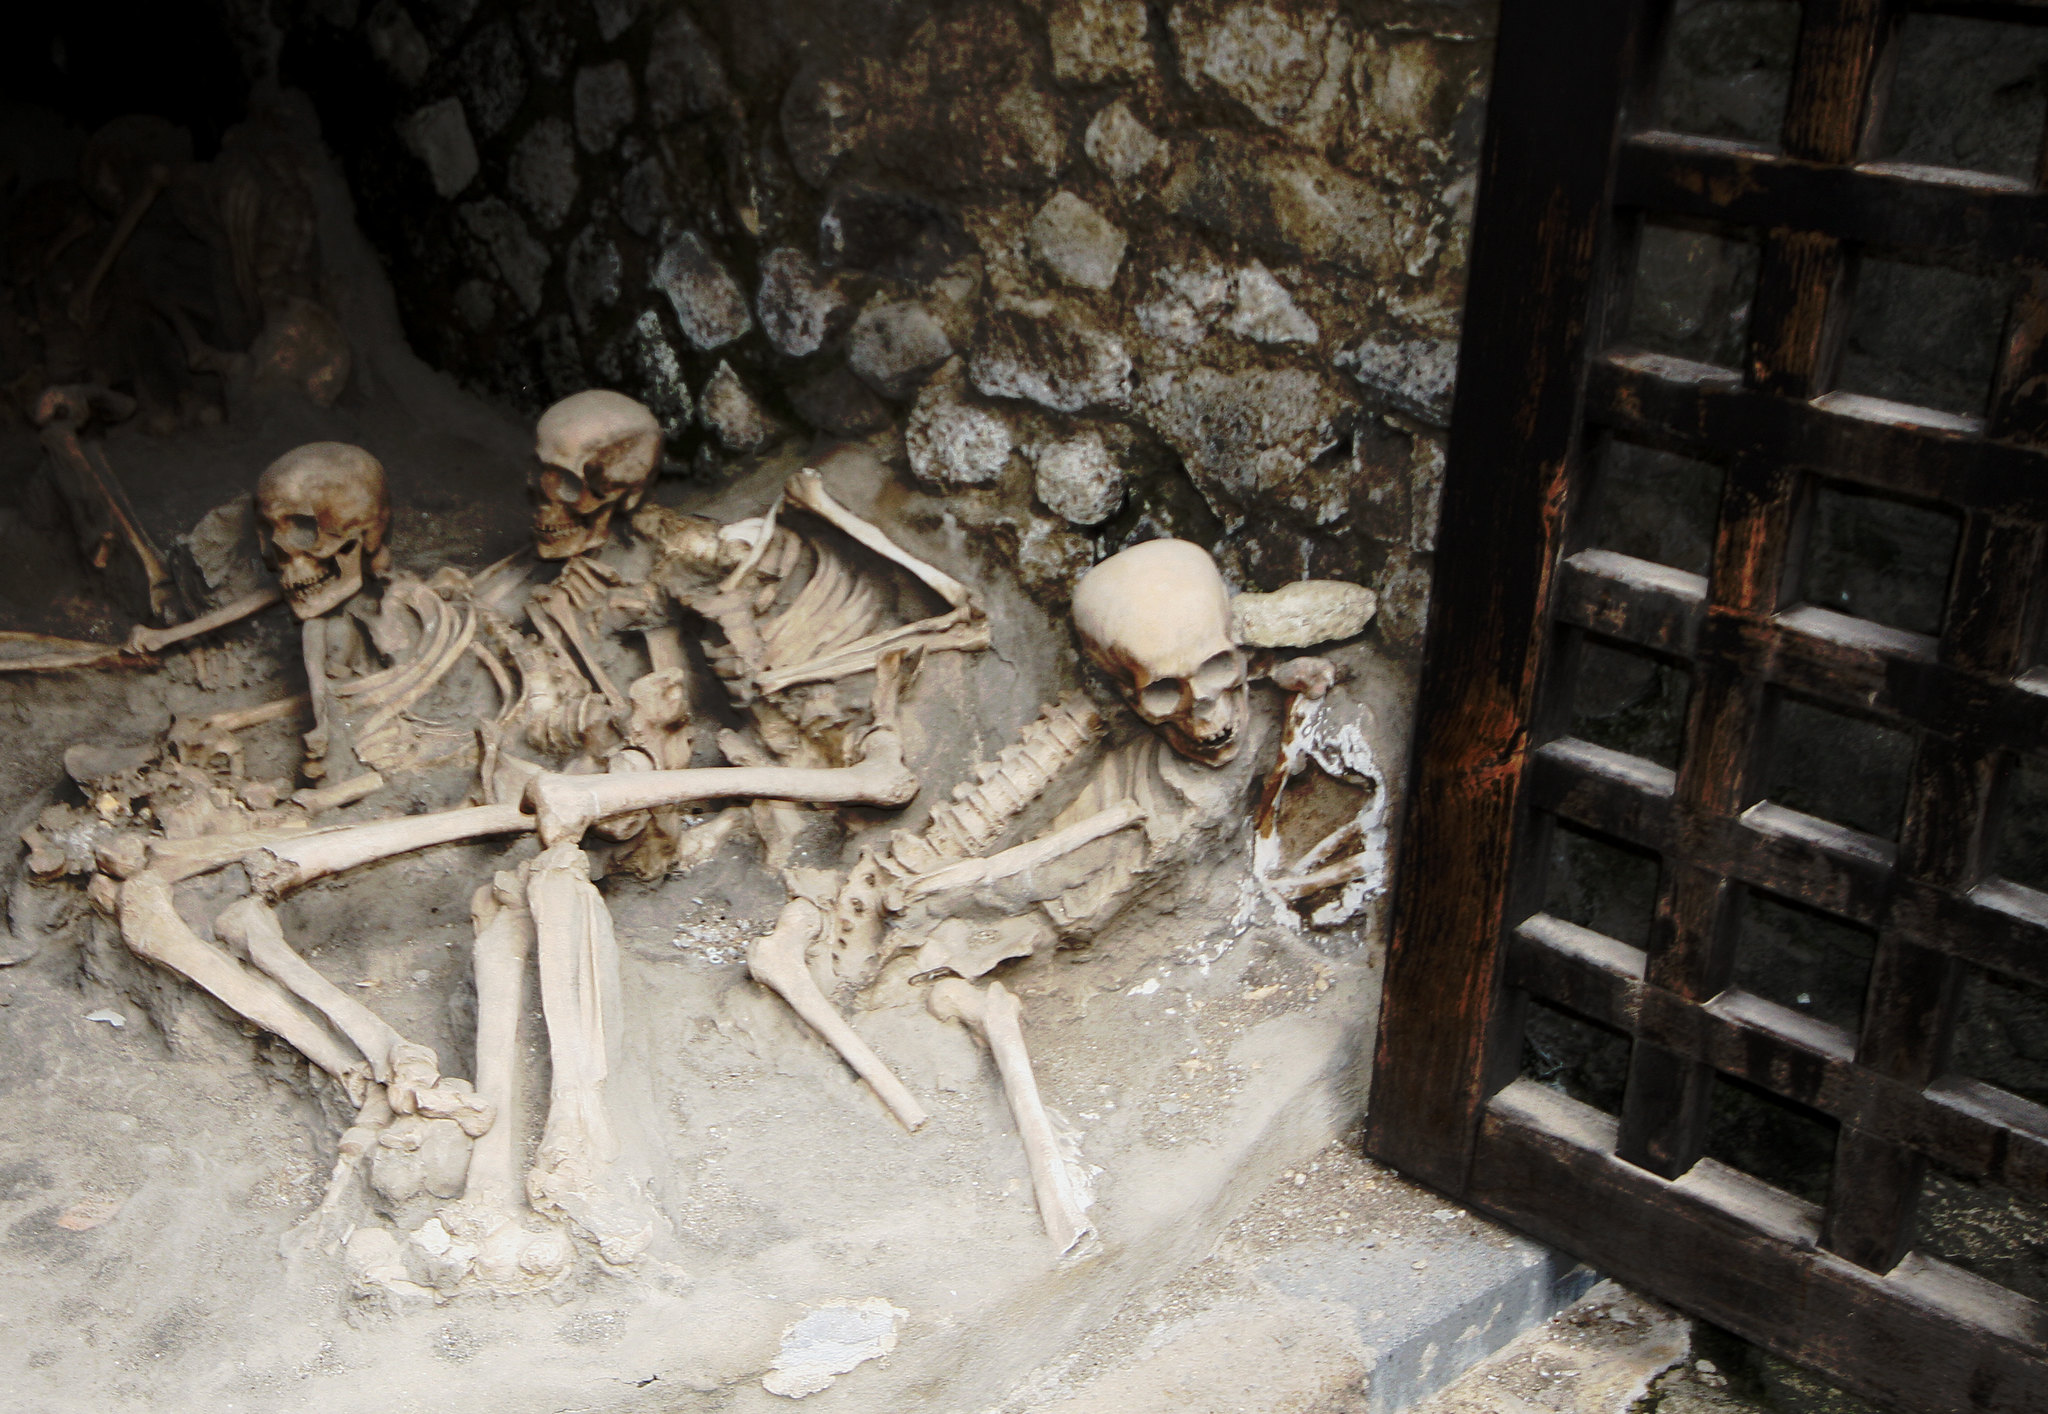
x,y
777,962
997,1017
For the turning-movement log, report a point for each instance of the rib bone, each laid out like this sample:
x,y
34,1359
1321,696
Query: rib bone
x,y
777,962
997,1017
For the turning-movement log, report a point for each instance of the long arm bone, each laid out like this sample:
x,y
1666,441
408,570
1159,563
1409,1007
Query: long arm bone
x,y
159,177
1019,859
777,962
62,413
565,806
997,1017
279,866
410,1073
151,927
142,646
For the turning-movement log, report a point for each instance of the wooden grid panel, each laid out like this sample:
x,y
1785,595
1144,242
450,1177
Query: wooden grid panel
x,y
1517,588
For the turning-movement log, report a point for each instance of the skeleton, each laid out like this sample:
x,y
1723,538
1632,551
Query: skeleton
x,y
1156,619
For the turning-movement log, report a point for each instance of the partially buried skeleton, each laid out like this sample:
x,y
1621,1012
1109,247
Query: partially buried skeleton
x,y
797,628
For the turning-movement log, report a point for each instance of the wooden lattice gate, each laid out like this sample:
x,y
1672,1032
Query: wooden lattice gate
x,y
1571,168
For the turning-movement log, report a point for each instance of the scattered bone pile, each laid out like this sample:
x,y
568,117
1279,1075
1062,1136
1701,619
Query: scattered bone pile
x,y
585,741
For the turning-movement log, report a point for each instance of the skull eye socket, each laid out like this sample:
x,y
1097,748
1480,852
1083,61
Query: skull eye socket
x,y
559,485
594,473
298,534
1162,697
1220,674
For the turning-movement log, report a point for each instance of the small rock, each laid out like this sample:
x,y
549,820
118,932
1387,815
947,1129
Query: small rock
x,y
952,442
1077,242
1079,479
542,172
798,303
1267,56
111,1018
439,136
1051,356
605,104
1120,146
684,76
397,43
614,17
476,305
1303,614
894,344
1095,41
830,1341
645,351
492,77
709,304
1416,375
644,200
1262,310
729,412
521,259
1187,310
839,403
592,275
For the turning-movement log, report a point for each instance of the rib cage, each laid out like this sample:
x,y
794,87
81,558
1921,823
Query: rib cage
x,y
981,810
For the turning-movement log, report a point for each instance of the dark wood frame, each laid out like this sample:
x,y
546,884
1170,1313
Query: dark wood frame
x,y
1569,170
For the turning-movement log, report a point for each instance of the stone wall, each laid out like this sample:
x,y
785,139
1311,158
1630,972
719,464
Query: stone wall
x,y
1106,270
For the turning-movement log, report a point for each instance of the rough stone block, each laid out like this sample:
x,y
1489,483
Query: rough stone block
x,y
605,104
729,412
1079,478
1123,148
685,78
592,275
1050,355
894,344
397,43
797,302
1263,311
1416,375
543,172
1269,56
709,304
1077,242
522,260
438,135
1098,41
951,442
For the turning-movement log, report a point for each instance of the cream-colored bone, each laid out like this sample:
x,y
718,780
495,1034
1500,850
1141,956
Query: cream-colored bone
x,y
243,718
409,1072
279,866
599,451
322,514
1156,619
250,925
996,1016
151,927
579,994
143,639
1019,859
807,489
159,177
566,806
62,413
777,962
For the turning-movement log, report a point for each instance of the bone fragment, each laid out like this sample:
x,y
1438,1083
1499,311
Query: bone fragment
x,y
62,413
154,640
244,718
63,654
566,805
1032,854
778,963
997,1017
151,927
504,942
278,866
342,793
948,631
80,308
251,926
807,489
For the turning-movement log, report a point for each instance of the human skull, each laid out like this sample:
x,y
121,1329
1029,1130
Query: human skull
x,y
598,452
323,514
1156,618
